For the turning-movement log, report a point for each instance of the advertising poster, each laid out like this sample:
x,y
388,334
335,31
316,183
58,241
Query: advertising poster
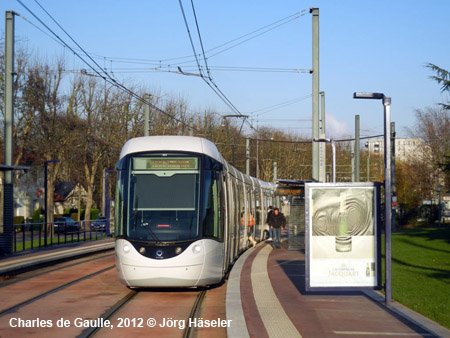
x,y
342,239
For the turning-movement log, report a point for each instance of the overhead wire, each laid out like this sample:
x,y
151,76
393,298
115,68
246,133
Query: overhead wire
x,y
280,105
361,138
37,27
107,78
207,79
111,80
160,65
210,79
196,56
201,42
295,15
253,37
216,68
280,22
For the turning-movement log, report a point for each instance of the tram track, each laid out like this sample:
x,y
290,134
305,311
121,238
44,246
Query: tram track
x,y
116,309
52,291
91,331
86,292
190,331
59,266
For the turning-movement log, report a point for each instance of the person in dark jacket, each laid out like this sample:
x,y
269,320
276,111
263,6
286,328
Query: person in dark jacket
x,y
276,222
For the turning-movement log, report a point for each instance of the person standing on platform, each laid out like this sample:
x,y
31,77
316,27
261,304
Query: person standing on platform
x,y
276,222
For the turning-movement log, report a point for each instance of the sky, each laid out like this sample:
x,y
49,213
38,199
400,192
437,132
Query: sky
x,y
365,46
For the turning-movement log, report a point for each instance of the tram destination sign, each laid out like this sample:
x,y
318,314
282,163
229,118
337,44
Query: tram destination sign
x,y
289,191
166,163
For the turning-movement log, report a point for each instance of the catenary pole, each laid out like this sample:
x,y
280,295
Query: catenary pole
x,y
8,187
147,115
315,92
247,156
322,145
394,189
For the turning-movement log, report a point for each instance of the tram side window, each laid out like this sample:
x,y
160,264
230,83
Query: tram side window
x,y
211,218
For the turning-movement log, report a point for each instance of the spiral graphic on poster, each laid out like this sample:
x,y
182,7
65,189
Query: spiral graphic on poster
x,y
359,206
359,215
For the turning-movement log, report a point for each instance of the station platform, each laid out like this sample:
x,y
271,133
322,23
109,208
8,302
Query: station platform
x,y
38,257
266,297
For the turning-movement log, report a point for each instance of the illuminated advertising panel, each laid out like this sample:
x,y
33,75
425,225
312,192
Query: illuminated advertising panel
x,y
342,236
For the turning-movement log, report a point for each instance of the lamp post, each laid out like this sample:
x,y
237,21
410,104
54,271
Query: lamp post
x,y
333,149
45,198
387,183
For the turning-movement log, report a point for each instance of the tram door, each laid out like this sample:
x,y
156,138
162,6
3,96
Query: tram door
x,y
227,211
258,215
242,215
251,213
225,221
236,213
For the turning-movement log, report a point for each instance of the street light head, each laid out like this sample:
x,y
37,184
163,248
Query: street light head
x,y
370,96
315,139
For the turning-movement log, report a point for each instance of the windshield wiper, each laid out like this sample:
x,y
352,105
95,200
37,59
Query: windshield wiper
x,y
152,233
138,215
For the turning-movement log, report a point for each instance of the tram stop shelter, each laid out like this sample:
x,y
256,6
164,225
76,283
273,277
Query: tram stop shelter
x,y
291,197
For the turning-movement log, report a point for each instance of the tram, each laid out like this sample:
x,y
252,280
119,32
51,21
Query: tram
x,y
183,214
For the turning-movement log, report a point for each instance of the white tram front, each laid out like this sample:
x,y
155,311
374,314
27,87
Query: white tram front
x,y
172,222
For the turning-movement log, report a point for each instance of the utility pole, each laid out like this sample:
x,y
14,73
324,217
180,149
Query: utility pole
x,y
147,115
315,92
6,244
352,148
257,149
322,114
191,127
322,145
394,189
247,156
357,150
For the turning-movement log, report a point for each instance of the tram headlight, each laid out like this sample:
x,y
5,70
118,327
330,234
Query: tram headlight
x,y
142,250
196,249
126,249
178,250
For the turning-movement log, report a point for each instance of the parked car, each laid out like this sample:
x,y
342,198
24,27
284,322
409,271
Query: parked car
x,y
65,224
99,224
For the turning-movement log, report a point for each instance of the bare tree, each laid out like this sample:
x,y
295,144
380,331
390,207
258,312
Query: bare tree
x,y
432,128
47,113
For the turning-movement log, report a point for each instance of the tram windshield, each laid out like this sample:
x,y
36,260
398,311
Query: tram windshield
x,y
163,198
